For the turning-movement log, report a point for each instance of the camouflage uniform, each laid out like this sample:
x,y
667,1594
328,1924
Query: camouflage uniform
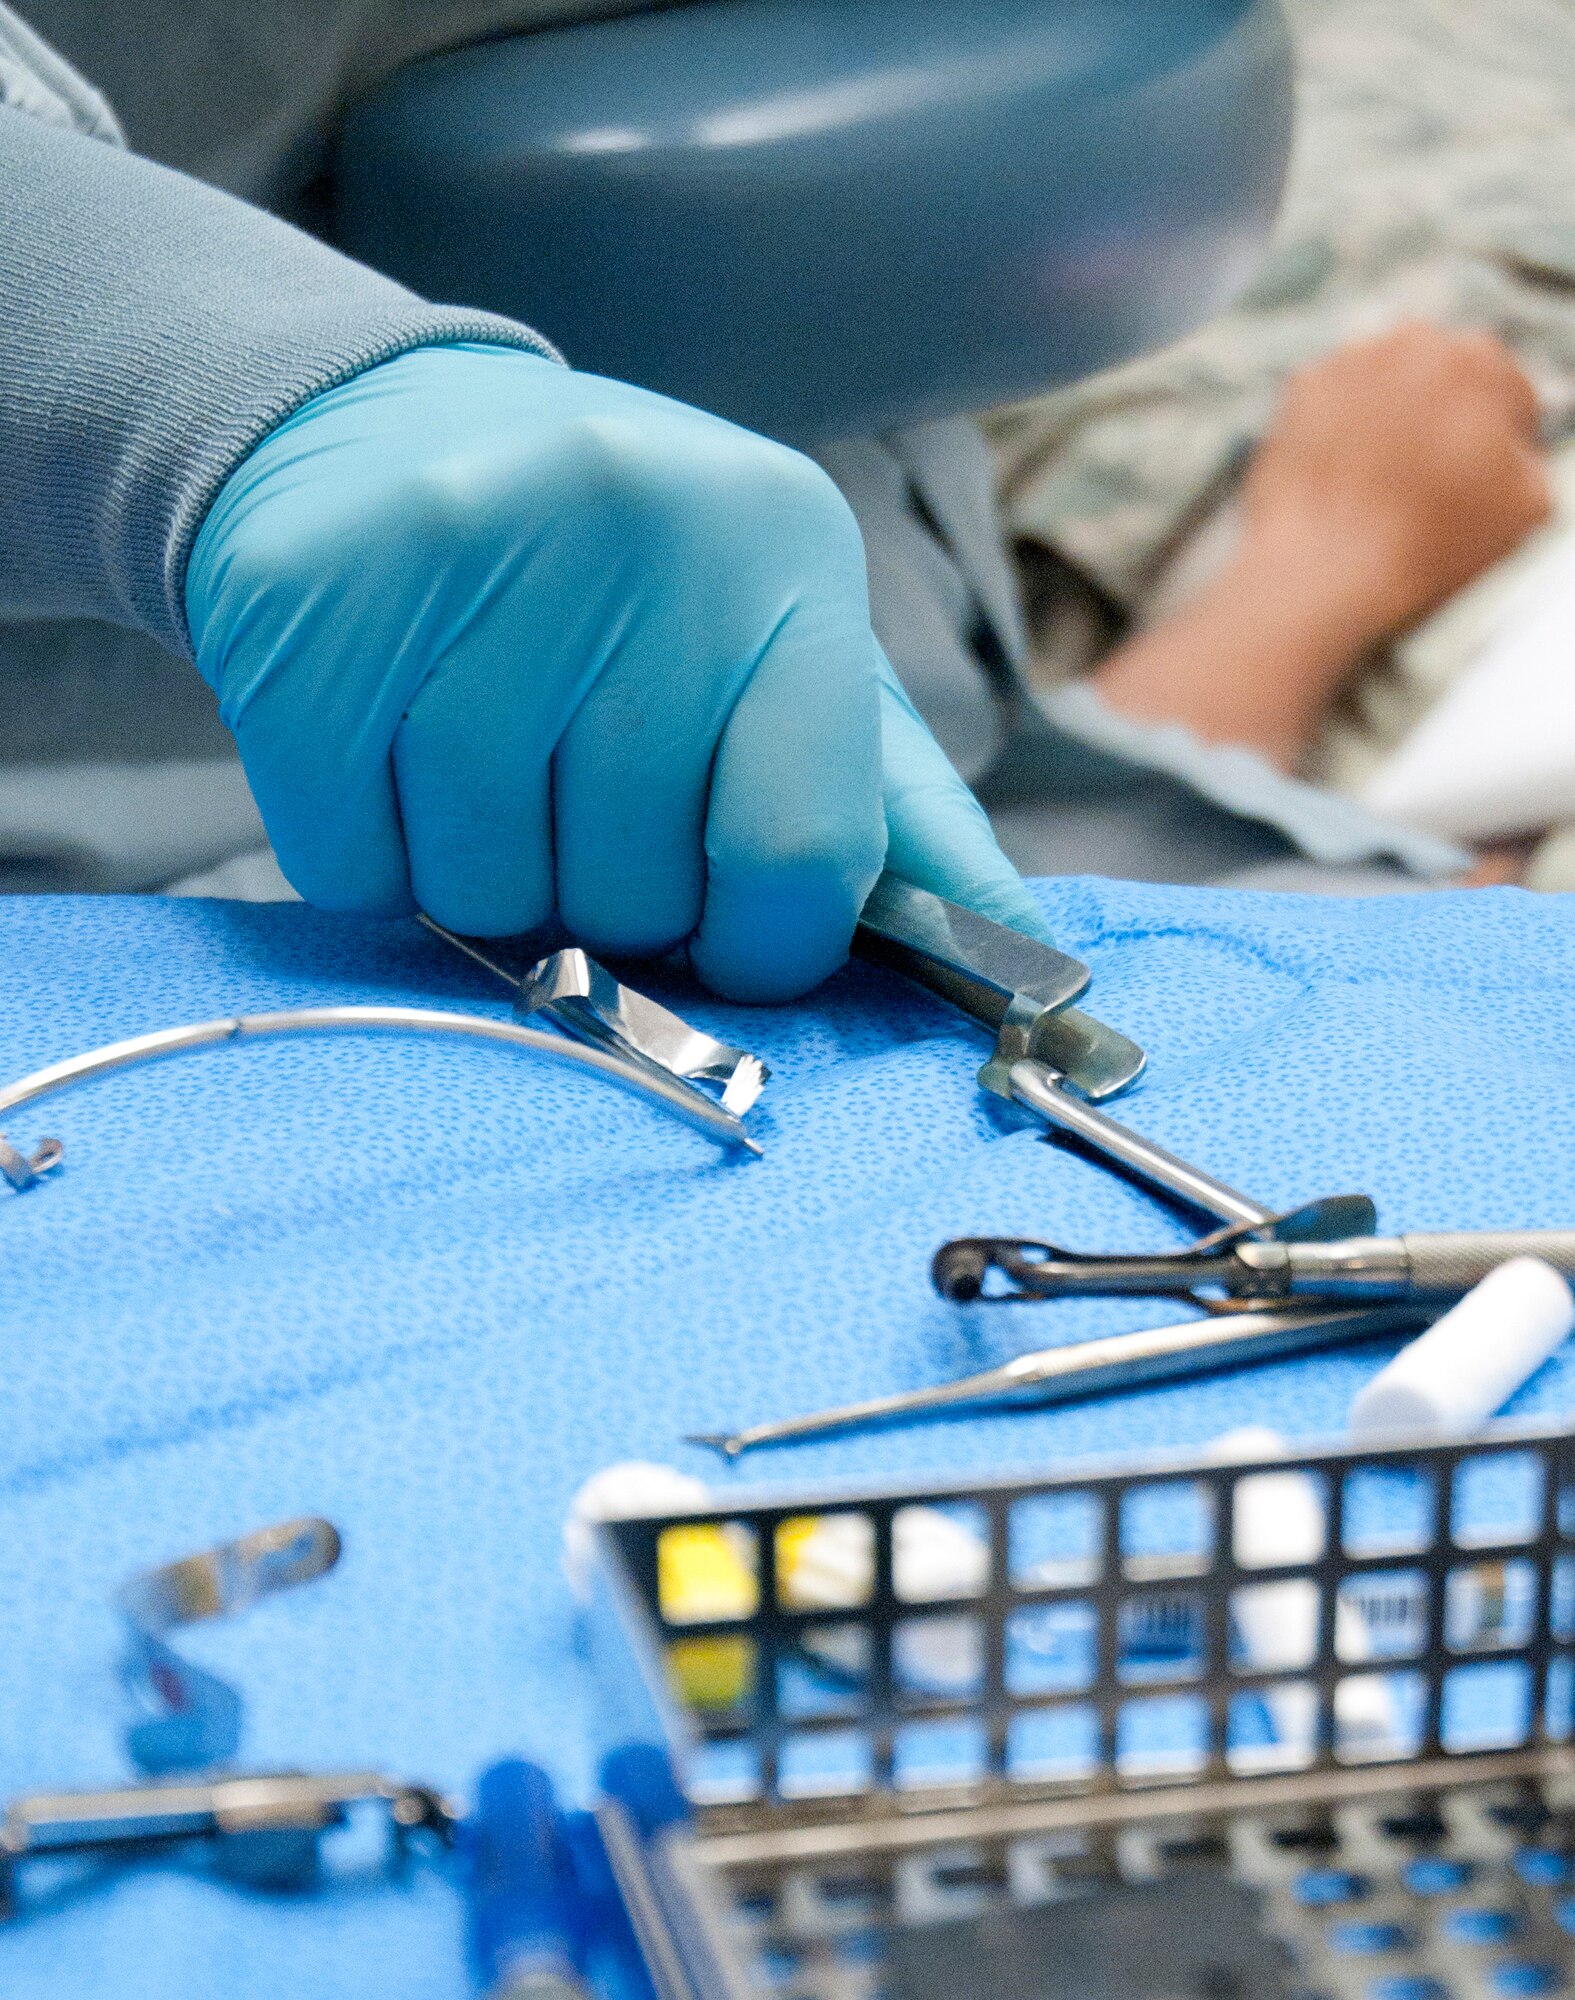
x,y
1433,178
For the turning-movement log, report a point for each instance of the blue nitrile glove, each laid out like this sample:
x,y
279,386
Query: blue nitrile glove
x,y
497,639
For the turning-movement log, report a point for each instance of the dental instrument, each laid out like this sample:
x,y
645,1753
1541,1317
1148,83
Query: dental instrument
x,y
1232,1272
1096,1367
677,1095
583,998
263,1829
1051,1058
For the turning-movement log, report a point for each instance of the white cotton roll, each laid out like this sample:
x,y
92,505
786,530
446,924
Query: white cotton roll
x,y
935,1556
1453,1377
1279,1520
632,1487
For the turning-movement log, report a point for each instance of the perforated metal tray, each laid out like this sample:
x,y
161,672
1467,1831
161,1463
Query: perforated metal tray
x,y
1341,1679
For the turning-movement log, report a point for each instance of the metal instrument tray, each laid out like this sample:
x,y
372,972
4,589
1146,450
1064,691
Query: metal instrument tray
x,y
1358,1725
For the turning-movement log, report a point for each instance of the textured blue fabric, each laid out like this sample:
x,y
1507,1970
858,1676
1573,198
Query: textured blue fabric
x,y
426,1289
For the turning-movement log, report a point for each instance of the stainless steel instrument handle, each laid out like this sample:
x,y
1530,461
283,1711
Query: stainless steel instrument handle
x,y
1098,1367
1038,1090
70,1822
1452,1261
1439,1264
962,957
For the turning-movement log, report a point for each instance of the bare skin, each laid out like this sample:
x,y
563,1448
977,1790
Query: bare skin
x,y
1396,471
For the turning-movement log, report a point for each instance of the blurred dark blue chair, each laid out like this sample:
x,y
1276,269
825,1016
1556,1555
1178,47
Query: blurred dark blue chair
x,y
832,217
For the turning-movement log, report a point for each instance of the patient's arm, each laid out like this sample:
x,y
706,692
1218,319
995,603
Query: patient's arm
x,y
1396,471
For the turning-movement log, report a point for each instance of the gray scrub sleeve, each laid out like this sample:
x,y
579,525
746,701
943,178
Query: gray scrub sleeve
x,y
152,331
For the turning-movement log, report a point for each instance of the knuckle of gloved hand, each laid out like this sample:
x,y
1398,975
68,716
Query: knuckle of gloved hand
x,y
689,482
619,475
803,506
448,500
831,856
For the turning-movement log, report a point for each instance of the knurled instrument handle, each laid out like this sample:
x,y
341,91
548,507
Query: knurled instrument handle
x,y
1455,1260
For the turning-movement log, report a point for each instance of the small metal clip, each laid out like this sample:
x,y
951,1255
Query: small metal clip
x,y
233,1576
585,1000
23,1170
190,1718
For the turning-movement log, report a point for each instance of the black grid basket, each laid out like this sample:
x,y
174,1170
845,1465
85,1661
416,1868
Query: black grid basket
x,y
1340,1679
1193,1621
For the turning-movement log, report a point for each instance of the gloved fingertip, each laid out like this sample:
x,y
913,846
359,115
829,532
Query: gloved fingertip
x,y
765,968
971,871
939,837
1009,901
756,985
775,926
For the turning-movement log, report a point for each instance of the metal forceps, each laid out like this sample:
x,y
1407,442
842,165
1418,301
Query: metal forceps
x,y
1056,1061
1231,1272
1262,1300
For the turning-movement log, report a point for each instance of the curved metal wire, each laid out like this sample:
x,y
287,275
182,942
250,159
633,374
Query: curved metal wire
x,y
683,1100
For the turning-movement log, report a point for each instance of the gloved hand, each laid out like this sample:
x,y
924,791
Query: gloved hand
x,y
497,639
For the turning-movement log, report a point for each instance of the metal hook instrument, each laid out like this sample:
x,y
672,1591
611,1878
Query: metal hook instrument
x,y
1050,1057
650,1079
1103,1366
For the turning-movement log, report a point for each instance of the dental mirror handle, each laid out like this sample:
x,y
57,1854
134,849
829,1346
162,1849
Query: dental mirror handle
x,y
1454,1261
